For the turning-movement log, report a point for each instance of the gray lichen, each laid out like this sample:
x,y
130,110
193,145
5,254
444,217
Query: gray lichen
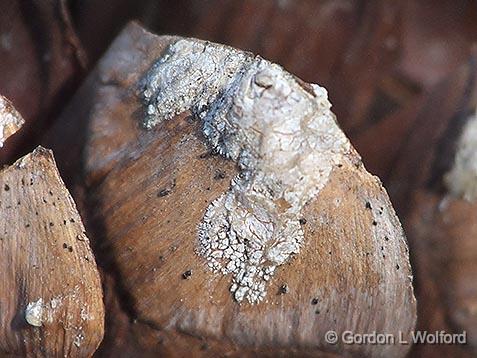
x,y
283,137
462,178
34,313
10,120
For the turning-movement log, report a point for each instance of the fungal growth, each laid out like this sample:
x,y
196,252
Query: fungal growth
x,y
282,135
10,120
462,178
34,313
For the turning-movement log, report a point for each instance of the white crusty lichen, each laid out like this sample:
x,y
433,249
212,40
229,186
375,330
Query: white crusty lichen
x,y
34,313
10,120
280,132
462,178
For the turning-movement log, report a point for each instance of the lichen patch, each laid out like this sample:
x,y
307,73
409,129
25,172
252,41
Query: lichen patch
x,y
34,313
283,137
10,120
461,180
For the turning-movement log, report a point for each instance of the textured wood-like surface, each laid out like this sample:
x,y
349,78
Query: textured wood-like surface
x,y
148,239
45,255
441,228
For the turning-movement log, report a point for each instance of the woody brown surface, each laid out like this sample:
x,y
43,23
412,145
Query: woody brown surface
x,y
385,65
46,260
149,191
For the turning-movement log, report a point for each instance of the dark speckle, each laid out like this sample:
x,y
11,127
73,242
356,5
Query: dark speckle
x,y
187,274
397,267
317,312
189,119
205,155
302,221
65,246
375,222
164,192
368,205
314,301
219,175
70,248
204,347
283,289
51,224
386,238
7,187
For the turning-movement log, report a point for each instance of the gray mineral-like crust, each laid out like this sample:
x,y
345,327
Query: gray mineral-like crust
x,y
283,137
10,120
462,178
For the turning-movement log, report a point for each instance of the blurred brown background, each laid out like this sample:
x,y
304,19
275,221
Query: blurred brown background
x,y
400,76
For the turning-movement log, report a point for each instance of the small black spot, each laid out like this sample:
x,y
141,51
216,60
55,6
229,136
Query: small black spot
x,y
7,187
219,175
340,165
368,205
204,347
397,267
187,274
70,248
314,301
65,246
27,225
164,192
375,222
50,192
51,224
64,222
72,220
302,221
386,238
189,119
283,289
205,155
317,312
